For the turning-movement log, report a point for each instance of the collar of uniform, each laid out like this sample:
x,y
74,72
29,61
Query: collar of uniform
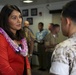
x,y
73,35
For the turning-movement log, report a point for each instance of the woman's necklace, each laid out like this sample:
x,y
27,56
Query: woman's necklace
x,y
23,51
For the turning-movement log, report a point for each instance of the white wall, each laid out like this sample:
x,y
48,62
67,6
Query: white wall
x,y
46,18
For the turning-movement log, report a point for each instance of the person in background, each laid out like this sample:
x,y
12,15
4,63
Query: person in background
x,y
29,37
50,42
64,55
13,46
40,35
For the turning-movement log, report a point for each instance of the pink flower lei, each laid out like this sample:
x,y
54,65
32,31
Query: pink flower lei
x,y
23,51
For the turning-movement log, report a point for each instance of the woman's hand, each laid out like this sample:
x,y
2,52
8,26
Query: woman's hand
x,y
28,71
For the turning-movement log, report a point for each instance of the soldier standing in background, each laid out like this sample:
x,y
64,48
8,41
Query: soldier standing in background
x,y
50,42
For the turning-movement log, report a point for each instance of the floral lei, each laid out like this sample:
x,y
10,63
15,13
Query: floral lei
x,y
23,51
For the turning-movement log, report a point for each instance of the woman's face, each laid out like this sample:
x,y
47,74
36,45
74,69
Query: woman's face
x,y
15,21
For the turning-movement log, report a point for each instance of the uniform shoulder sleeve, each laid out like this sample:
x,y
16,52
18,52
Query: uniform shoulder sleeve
x,y
59,59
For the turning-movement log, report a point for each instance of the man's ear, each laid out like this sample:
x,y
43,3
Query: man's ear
x,y
68,21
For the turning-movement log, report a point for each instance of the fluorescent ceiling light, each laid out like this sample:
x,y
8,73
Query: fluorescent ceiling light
x,y
27,1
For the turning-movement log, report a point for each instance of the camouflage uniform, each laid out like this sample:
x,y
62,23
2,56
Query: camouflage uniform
x,y
64,57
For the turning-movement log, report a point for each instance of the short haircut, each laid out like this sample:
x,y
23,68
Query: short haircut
x,y
4,15
56,25
41,23
51,23
69,10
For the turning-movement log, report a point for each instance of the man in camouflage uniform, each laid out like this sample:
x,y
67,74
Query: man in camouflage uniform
x,y
64,56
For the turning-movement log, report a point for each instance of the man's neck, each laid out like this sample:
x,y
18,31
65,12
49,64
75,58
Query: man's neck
x,y
53,33
71,31
70,34
26,26
41,30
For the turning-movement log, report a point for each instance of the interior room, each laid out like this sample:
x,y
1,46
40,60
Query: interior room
x,y
46,11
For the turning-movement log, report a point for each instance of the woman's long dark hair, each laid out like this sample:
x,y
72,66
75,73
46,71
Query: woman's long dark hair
x,y
4,15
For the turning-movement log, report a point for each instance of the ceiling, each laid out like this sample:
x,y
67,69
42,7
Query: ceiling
x,y
20,3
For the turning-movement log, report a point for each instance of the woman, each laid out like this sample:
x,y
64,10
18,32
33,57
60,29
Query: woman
x,y
13,47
